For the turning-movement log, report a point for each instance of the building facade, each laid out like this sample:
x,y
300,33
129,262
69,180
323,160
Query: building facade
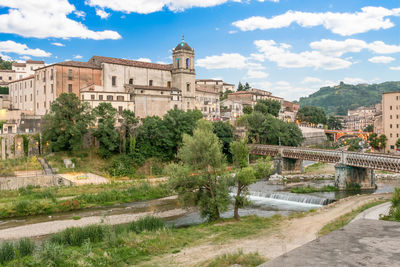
x,y
361,117
391,119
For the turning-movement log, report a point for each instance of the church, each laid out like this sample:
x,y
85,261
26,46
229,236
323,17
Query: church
x,y
148,89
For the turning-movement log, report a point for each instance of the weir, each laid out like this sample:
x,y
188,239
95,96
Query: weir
x,y
285,196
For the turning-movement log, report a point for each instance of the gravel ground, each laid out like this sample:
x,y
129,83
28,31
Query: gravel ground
x,y
46,228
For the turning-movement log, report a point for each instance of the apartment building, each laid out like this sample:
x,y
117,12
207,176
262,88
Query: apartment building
x,y
391,119
361,117
215,85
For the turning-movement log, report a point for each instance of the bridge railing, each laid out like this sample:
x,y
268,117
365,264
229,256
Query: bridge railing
x,y
364,160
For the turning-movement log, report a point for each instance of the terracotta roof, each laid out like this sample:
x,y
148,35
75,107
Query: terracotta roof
x,y
26,78
71,63
35,61
206,89
240,93
16,64
127,62
229,84
208,80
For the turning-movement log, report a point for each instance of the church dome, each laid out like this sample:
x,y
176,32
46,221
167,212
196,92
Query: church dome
x,y
183,46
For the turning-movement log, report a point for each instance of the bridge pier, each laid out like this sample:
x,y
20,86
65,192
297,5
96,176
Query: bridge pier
x,y
288,164
346,176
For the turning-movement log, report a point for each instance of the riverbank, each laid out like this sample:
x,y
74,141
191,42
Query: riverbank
x,y
269,242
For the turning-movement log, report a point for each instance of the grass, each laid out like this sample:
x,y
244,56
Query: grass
x,y
239,258
311,189
346,218
35,201
394,213
315,167
140,241
9,166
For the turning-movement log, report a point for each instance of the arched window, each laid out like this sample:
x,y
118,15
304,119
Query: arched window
x,y
188,87
130,81
187,63
177,62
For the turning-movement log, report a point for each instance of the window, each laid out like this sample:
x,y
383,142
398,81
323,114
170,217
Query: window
x,y
130,81
51,88
188,87
120,98
392,147
188,105
177,62
110,98
92,97
31,68
169,84
83,97
31,84
100,97
44,89
9,78
390,107
175,106
51,74
69,88
20,98
44,104
162,92
1,78
25,98
187,63
69,74
390,126
391,135
31,98
150,82
141,91
114,80
120,109
37,105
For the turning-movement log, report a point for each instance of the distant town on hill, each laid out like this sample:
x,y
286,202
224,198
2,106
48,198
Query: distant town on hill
x,y
337,100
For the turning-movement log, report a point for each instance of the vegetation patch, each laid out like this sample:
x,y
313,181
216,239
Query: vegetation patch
x,y
315,167
394,213
346,218
239,258
310,189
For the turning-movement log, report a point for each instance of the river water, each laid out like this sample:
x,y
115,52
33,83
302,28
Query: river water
x,y
266,201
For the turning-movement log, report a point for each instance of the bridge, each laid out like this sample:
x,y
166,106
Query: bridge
x,y
338,134
351,167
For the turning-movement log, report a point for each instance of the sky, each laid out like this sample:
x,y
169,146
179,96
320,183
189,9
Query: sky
x,y
288,47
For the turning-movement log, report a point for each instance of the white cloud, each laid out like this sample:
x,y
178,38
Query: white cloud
x,y
46,18
224,61
395,68
381,59
256,74
101,13
25,57
80,14
309,79
58,44
370,18
21,49
232,32
338,48
77,56
162,62
281,54
150,6
144,59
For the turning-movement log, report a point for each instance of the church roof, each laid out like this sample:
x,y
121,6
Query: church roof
x,y
97,60
183,45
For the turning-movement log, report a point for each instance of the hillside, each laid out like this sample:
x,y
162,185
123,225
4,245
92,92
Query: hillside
x,y
339,99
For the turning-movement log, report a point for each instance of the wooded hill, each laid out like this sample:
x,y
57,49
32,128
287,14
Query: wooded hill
x,y
339,99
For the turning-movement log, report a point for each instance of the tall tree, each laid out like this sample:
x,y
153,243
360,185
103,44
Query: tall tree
x,y
66,123
105,132
129,122
268,106
240,87
334,123
247,109
224,131
310,114
5,64
198,178
369,128
246,87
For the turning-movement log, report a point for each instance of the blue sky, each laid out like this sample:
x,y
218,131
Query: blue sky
x,y
288,47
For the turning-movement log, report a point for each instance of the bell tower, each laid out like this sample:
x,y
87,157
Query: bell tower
x,y
183,73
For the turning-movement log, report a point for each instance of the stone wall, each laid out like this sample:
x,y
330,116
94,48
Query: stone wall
x,y
313,136
13,183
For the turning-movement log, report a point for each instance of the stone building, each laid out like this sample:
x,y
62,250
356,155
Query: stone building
x,y
6,76
391,119
232,109
215,85
148,89
361,117
289,111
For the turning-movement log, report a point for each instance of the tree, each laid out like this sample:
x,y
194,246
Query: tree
x,y
246,87
382,141
369,128
266,129
313,115
107,136
129,122
240,87
247,109
268,106
377,142
5,64
198,179
224,95
224,131
398,143
66,123
354,144
334,123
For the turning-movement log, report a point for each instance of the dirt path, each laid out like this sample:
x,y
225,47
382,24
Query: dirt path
x,y
290,235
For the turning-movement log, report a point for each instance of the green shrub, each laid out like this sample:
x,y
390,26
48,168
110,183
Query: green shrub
x,y
149,223
22,207
25,247
76,236
7,252
51,254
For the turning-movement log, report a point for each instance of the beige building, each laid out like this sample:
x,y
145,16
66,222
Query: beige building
x,y
148,89
391,119
361,117
232,109
6,76
23,70
215,85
